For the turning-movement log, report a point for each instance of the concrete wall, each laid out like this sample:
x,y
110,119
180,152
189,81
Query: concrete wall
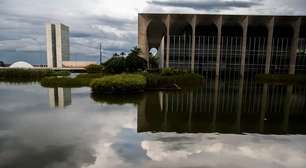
x,y
225,26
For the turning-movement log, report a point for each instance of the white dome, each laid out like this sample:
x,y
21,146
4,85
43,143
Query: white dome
x,y
21,64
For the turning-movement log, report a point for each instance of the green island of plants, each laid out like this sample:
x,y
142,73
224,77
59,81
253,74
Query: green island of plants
x,y
122,83
172,79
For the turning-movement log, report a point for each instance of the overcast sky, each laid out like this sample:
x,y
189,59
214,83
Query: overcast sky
x,y
112,22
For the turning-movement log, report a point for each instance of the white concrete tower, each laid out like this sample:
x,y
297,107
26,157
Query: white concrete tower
x,y
57,45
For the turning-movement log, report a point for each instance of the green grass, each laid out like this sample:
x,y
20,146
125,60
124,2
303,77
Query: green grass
x,y
158,81
123,83
28,75
281,79
82,80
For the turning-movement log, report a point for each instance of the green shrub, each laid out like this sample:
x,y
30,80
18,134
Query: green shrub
x,y
135,63
123,83
155,81
169,72
90,75
81,80
94,68
29,74
115,65
153,62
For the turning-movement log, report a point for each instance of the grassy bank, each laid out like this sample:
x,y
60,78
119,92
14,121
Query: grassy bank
x,y
28,75
82,80
281,79
123,83
171,82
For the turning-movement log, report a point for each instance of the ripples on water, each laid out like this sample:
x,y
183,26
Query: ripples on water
x,y
222,124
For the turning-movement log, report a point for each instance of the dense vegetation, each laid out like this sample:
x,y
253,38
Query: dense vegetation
x,y
123,83
281,79
132,63
17,74
82,80
115,65
93,68
174,80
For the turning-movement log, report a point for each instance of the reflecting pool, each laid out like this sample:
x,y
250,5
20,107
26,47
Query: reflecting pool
x,y
221,124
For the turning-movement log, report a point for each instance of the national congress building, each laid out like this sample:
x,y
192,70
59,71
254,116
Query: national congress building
x,y
214,44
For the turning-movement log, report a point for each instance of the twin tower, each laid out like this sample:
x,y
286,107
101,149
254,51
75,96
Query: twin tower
x,y
57,45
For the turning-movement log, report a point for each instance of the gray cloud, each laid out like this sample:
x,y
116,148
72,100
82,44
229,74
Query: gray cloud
x,y
207,5
112,22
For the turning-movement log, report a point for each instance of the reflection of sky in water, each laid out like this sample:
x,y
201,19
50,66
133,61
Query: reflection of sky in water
x,y
88,134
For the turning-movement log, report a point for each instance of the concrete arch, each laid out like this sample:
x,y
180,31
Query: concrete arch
x,y
206,26
156,30
257,31
181,25
233,26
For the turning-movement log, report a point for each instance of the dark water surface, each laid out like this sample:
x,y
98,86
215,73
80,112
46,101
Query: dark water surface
x,y
222,124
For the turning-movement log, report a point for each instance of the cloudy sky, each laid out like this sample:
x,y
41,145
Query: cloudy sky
x,y
112,22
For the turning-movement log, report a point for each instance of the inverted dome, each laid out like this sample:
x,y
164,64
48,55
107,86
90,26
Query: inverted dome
x,y
21,64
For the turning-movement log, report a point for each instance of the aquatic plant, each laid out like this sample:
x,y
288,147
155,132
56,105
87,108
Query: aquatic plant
x,y
123,83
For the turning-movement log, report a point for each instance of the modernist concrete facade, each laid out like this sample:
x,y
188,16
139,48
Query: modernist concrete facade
x,y
226,43
58,49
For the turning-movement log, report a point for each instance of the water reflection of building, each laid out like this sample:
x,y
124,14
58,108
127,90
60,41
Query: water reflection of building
x,y
226,107
59,97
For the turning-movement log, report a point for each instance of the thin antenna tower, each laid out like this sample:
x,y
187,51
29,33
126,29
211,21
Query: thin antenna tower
x,y
100,53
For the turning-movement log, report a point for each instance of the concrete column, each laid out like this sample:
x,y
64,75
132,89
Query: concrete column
x,y
162,53
244,24
287,108
143,23
239,110
270,27
194,24
264,106
216,93
219,26
190,111
294,45
168,21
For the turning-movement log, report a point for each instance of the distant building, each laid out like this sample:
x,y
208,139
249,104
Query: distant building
x,y
21,64
57,45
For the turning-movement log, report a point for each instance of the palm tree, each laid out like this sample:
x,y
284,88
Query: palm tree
x,y
122,54
135,51
116,55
